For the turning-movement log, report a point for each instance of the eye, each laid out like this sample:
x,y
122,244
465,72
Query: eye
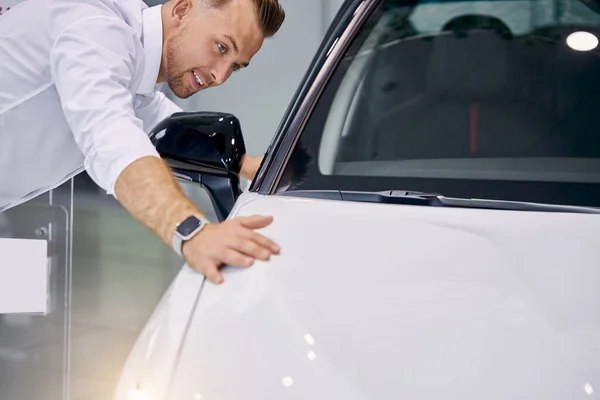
x,y
235,67
221,48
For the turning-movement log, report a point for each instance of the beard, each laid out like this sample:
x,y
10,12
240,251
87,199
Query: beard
x,y
175,74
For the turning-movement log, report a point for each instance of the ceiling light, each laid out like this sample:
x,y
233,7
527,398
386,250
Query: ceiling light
x,y
582,41
309,339
287,381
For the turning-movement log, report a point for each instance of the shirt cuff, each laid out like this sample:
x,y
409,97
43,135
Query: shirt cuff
x,y
124,143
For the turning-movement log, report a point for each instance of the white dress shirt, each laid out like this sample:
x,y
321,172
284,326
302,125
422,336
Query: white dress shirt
x,y
77,90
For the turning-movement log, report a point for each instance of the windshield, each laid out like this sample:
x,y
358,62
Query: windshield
x,y
490,99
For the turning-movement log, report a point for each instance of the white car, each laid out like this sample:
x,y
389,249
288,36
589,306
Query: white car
x,y
437,199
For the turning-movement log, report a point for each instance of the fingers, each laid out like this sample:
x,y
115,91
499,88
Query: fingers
x,y
214,276
228,256
211,272
256,221
231,243
252,249
235,258
262,241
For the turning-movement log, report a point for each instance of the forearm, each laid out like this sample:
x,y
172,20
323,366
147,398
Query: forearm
x,y
250,166
150,193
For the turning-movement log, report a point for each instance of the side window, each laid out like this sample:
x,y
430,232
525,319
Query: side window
x,y
445,98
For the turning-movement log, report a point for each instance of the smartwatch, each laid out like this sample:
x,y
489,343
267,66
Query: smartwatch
x,y
186,230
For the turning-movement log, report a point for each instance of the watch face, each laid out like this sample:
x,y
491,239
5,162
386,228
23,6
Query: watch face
x,y
188,226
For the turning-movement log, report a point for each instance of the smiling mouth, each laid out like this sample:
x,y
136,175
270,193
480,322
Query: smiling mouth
x,y
198,80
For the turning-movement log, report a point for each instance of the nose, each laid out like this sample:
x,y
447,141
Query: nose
x,y
220,74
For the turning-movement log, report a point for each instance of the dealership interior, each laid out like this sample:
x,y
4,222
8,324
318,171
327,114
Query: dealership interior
x,y
337,72
107,272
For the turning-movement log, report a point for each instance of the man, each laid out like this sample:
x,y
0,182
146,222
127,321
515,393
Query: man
x,y
79,91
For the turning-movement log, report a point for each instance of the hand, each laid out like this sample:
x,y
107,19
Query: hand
x,y
231,242
250,166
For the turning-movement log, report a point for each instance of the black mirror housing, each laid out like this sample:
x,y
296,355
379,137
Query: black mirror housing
x,y
206,148
201,141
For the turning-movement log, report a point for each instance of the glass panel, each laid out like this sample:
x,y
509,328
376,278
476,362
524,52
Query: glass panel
x,y
120,272
493,99
107,273
35,349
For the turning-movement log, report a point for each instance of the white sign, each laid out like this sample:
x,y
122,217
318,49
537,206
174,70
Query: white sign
x,y
23,276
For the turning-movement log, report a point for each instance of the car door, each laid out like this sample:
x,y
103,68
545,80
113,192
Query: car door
x,y
395,280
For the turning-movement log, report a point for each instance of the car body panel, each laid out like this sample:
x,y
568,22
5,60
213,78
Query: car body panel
x,y
378,301
371,301
154,355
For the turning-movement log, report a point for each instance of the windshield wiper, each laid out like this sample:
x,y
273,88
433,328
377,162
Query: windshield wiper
x,y
394,197
386,196
409,197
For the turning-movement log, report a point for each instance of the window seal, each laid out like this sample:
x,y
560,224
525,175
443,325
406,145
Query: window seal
x,y
336,42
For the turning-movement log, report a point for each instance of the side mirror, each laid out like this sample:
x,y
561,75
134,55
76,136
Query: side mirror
x,y
205,148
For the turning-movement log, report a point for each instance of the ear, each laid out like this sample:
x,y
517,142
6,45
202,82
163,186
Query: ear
x,y
180,10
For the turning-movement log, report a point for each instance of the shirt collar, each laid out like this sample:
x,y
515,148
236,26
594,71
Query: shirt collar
x,y
152,37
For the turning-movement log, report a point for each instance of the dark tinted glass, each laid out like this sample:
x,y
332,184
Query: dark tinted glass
x,y
497,99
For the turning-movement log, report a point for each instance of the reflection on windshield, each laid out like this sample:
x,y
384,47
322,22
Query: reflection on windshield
x,y
495,99
455,90
297,168
520,17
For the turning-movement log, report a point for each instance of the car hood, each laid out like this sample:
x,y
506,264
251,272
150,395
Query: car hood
x,y
372,301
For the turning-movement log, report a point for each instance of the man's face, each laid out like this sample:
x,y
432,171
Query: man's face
x,y
204,46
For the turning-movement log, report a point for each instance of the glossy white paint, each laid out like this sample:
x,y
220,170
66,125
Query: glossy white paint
x,y
373,301
151,361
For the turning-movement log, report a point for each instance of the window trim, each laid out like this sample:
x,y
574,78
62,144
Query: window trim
x,y
338,39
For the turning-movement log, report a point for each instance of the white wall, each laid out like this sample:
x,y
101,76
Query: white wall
x,y
259,95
